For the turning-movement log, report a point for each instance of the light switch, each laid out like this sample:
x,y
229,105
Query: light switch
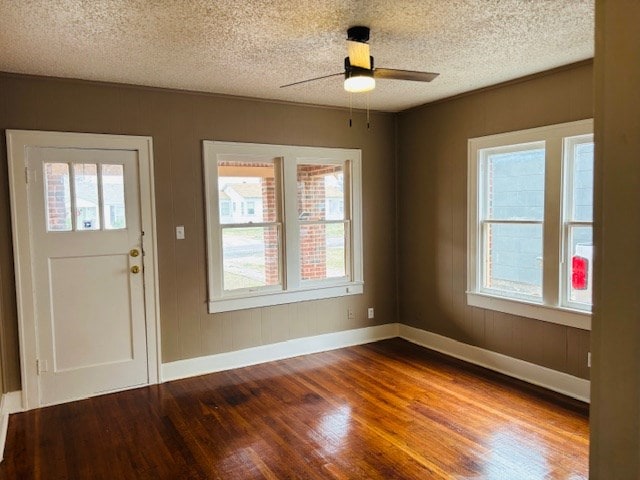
x,y
180,232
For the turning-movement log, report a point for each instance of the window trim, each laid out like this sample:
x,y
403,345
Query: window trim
x,y
567,219
293,288
550,309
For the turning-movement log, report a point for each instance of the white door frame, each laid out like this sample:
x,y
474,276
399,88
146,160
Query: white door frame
x,y
17,143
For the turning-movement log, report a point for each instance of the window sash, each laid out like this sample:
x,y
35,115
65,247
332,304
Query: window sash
x,y
484,190
570,223
485,255
262,288
566,267
347,253
217,274
571,145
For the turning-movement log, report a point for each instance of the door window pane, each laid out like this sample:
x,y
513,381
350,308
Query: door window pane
x,y
515,185
320,192
86,196
513,263
250,257
58,197
115,217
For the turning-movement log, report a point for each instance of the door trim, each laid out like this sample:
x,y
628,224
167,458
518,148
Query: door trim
x,y
17,143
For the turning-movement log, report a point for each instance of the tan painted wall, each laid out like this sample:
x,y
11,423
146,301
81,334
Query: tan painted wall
x,y
615,408
432,198
178,122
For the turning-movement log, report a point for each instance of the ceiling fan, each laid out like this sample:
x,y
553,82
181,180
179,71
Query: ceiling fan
x,y
359,71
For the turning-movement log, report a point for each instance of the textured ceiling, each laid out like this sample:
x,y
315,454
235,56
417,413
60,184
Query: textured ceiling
x,y
249,48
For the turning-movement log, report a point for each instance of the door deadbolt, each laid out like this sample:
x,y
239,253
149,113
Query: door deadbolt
x,y
135,269
134,252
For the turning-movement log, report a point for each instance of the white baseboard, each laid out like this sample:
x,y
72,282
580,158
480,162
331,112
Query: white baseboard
x,y
529,372
276,351
10,403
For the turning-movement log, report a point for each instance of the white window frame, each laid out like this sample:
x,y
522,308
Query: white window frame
x,y
277,223
568,224
293,288
485,223
347,220
552,307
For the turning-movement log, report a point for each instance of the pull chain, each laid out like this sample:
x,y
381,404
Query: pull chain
x,y
368,122
350,109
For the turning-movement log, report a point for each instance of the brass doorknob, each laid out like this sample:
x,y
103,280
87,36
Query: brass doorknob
x,y
134,252
135,269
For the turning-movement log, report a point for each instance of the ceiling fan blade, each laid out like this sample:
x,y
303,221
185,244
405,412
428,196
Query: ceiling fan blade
x,y
311,80
359,54
404,75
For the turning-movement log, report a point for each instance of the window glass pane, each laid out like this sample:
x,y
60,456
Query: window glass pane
x,y
246,191
580,265
322,251
250,257
58,197
320,192
513,264
515,185
113,197
582,194
87,203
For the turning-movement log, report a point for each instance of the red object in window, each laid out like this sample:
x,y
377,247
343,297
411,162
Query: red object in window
x,y
579,270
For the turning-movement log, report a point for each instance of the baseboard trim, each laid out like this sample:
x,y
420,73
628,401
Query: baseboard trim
x,y
554,380
276,351
560,382
10,402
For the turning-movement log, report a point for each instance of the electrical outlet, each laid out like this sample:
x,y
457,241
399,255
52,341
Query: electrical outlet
x,y
370,312
180,232
350,313
589,359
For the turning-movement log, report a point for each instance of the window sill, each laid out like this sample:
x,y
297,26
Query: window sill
x,y
267,299
552,314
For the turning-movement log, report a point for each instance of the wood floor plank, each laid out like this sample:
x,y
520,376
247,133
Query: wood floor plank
x,y
388,410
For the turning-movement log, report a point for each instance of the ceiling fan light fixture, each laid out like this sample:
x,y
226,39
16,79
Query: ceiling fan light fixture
x,y
359,80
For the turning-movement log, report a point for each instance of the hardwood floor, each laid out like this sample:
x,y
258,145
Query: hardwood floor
x,y
389,410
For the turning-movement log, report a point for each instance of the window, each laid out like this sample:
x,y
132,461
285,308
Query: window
x,y
530,223
250,249
578,222
282,244
322,238
511,220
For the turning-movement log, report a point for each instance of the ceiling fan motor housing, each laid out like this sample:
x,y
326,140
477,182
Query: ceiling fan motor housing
x,y
358,34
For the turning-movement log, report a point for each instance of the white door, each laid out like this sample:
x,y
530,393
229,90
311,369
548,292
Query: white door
x,y
87,271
